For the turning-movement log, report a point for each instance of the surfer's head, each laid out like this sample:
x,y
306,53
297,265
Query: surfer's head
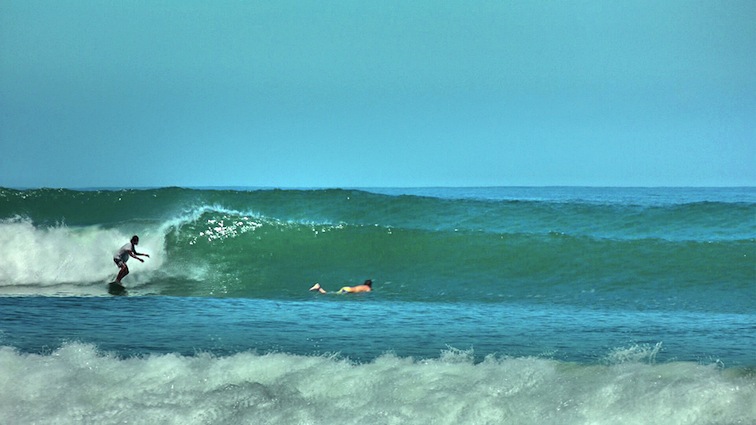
x,y
135,239
368,283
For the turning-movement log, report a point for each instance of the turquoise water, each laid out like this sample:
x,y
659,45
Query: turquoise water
x,y
490,305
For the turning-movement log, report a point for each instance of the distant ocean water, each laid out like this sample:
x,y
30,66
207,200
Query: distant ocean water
x,y
490,306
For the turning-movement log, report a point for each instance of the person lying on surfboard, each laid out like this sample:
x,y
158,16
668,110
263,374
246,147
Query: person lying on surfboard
x,y
367,286
122,256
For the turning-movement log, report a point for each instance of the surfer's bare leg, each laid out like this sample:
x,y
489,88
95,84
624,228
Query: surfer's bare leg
x,y
316,287
121,274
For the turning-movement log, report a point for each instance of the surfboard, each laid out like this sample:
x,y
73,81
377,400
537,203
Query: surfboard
x,y
115,288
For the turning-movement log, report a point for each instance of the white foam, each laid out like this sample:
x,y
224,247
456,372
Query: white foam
x,y
634,354
68,257
78,260
76,384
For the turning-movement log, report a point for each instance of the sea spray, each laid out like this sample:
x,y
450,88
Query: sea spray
x,y
58,255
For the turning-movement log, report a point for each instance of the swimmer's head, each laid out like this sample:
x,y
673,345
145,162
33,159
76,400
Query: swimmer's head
x,y
368,283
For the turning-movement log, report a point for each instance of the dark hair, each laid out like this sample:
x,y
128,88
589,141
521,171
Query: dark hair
x,y
368,283
134,237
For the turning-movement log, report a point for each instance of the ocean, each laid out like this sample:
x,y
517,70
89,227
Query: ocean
x,y
501,305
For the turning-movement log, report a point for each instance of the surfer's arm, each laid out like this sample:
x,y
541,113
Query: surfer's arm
x,y
134,254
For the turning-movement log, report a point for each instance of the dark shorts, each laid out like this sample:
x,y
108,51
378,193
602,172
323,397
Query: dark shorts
x,y
119,263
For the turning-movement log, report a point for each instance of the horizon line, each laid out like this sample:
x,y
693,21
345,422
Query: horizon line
x,y
252,187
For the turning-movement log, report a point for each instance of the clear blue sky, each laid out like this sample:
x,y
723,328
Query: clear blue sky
x,y
387,93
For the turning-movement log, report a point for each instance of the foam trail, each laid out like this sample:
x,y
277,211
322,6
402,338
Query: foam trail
x,y
77,384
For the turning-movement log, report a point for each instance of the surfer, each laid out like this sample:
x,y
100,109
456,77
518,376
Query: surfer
x,y
122,256
367,286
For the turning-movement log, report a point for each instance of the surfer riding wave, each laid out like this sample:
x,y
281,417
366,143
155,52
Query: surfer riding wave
x,y
122,256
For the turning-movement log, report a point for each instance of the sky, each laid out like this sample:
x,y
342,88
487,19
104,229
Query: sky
x,y
392,93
